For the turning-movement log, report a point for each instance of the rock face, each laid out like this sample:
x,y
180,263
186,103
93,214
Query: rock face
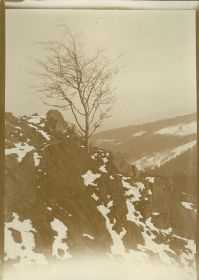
x,y
55,121
69,203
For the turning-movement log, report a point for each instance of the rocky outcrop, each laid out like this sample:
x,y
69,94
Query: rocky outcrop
x,y
55,121
75,203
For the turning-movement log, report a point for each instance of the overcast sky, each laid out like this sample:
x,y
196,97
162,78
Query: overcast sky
x,y
156,79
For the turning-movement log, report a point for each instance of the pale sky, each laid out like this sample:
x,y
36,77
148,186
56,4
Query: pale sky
x,y
157,75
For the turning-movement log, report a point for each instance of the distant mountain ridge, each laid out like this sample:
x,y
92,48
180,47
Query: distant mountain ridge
x,y
157,123
139,141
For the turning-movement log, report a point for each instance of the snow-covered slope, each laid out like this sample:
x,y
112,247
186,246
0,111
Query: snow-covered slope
x,y
181,129
150,145
62,203
158,159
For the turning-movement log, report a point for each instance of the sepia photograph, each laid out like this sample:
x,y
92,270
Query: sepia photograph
x,y
100,144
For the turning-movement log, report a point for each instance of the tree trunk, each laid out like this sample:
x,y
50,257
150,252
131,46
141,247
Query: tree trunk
x,y
87,142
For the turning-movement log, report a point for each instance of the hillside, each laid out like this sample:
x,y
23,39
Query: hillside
x,y
62,203
151,139
165,148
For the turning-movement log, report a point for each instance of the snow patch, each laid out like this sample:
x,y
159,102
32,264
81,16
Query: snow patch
x,y
179,130
21,149
25,249
110,204
155,213
36,158
103,168
94,196
149,192
150,179
88,235
148,233
136,134
133,190
35,119
118,247
166,231
89,178
42,132
125,178
58,244
94,156
18,127
187,205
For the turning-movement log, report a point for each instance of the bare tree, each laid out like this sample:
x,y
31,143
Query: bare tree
x,y
81,82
